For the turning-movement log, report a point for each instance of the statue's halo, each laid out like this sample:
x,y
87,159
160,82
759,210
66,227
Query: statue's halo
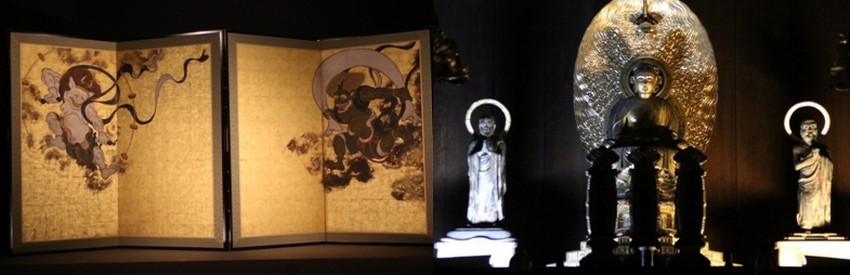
x,y
490,101
826,119
665,75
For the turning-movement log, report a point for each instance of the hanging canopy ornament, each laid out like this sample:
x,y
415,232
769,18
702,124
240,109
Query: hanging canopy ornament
x,y
664,31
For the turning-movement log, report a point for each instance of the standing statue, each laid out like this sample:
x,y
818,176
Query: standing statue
x,y
482,235
486,174
486,159
812,161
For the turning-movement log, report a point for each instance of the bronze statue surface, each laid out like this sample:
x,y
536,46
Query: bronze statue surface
x,y
674,39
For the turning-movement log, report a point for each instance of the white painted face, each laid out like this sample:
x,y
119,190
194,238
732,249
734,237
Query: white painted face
x,y
487,126
645,84
75,95
808,131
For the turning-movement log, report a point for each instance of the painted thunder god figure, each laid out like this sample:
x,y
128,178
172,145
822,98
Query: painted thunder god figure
x,y
811,160
487,180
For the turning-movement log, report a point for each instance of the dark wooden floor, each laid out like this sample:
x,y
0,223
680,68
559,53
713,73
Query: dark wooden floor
x,y
303,259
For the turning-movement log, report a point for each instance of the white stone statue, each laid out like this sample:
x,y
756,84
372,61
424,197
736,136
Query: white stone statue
x,y
486,159
812,161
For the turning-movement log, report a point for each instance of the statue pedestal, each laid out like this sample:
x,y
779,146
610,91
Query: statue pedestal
x,y
794,249
467,242
573,258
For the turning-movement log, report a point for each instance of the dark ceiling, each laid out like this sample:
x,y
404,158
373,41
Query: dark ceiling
x,y
304,19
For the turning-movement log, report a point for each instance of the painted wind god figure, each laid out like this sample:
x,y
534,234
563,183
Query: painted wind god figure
x,y
812,162
486,160
89,98
78,130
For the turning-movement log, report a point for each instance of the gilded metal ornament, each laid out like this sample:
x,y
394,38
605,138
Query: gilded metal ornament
x,y
663,30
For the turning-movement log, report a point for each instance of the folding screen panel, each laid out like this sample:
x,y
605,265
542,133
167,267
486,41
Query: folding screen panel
x,y
116,143
330,139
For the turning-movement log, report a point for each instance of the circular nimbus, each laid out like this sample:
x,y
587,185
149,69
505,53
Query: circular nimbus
x,y
826,119
490,101
666,77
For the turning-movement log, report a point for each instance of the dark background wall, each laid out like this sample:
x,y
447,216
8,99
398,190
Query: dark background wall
x,y
770,55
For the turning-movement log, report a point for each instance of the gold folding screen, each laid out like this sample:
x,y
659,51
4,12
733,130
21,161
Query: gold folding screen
x,y
123,143
310,120
116,143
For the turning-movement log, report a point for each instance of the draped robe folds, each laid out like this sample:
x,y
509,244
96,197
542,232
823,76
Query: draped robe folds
x,y
653,121
486,184
814,189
